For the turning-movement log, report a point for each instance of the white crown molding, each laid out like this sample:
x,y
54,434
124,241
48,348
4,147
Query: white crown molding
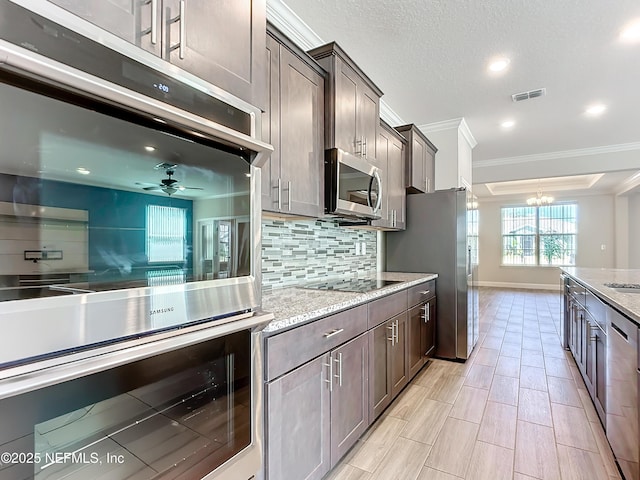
x,y
440,126
629,184
538,157
466,133
389,115
286,20
292,25
458,123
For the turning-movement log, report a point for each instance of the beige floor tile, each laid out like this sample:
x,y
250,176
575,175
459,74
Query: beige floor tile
x,y
490,462
532,344
403,461
534,407
587,404
348,472
498,425
576,464
504,390
605,450
557,367
533,378
520,476
407,402
425,424
508,366
536,454
487,356
564,391
572,427
445,388
479,376
531,358
376,443
470,404
492,342
452,451
431,474
509,350
553,350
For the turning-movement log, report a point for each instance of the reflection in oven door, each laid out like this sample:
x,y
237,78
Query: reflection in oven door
x,y
179,414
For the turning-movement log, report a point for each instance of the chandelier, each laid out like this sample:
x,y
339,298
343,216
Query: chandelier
x,y
539,199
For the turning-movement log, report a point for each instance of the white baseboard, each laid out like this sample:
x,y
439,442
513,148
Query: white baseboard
x,y
526,286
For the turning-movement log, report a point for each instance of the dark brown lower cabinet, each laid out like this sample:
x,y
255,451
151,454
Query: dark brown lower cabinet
x,y
422,334
317,412
298,422
388,362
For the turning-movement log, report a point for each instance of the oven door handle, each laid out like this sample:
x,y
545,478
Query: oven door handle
x,y
38,375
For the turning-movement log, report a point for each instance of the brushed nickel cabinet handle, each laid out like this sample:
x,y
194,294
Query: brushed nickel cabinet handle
x,y
180,46
153,30
393,336
339,375
333,332
289,194
279,193
330,378
424,292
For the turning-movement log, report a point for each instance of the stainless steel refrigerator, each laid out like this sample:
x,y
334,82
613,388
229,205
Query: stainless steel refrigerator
x,y
441,237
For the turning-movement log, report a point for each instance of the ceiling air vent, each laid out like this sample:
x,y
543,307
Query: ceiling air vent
x,y
518,97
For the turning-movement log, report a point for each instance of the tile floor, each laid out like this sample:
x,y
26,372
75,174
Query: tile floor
x,y
517,409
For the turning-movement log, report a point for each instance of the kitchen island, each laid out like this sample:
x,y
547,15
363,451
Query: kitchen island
x,y
601,320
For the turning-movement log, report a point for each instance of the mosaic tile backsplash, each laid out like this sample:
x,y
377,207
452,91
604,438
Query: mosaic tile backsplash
x,y
297,252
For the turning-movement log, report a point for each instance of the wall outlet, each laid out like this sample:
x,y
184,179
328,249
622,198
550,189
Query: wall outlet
x,y
357,248
364,248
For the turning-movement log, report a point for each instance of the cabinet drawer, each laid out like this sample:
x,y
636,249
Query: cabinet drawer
x,y
596,308
290,349
387,307
422,292
577,291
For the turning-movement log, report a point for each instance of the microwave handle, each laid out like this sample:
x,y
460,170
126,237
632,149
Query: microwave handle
x,y
378,180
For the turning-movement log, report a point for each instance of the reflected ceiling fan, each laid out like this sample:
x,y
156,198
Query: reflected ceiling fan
x,y
168,185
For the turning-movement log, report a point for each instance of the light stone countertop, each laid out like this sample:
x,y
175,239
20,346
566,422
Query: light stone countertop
x,y
595,278
296,306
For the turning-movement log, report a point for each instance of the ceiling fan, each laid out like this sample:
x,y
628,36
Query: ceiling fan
x,y
168,185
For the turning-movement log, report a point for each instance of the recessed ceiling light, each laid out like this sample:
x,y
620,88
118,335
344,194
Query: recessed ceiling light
x,y
499,64
83,171
150,148
507,124
595,109
631,33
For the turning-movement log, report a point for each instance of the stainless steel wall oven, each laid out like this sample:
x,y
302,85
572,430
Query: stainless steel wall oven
x,y
129,259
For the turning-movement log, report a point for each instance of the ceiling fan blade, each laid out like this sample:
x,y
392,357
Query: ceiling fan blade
x,y
191,188
155,187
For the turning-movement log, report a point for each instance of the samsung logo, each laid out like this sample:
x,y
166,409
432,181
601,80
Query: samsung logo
x,y
161,310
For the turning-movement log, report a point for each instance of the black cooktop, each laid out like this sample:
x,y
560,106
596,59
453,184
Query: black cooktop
x,y
359,285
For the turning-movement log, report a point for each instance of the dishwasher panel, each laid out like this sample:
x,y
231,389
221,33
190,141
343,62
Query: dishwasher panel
x,y
622,392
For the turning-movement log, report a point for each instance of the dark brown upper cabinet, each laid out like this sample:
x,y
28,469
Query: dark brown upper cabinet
x,y
352,103
219,41
293,122
420,160
390,160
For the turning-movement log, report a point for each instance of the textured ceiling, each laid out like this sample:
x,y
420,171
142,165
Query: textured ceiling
x,y
430,59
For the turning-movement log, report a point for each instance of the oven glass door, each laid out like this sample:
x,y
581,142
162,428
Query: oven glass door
x,y
177,415
93,198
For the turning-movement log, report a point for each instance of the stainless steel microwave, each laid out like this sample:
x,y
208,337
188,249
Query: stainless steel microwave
x,y
353,187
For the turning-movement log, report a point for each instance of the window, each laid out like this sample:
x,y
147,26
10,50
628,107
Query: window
x,y
543,235
166,232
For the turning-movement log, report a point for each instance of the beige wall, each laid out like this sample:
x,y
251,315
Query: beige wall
x,y
634,231
596,224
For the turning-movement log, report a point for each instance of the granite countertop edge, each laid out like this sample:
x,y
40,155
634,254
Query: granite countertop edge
x,y
296,306
595,278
